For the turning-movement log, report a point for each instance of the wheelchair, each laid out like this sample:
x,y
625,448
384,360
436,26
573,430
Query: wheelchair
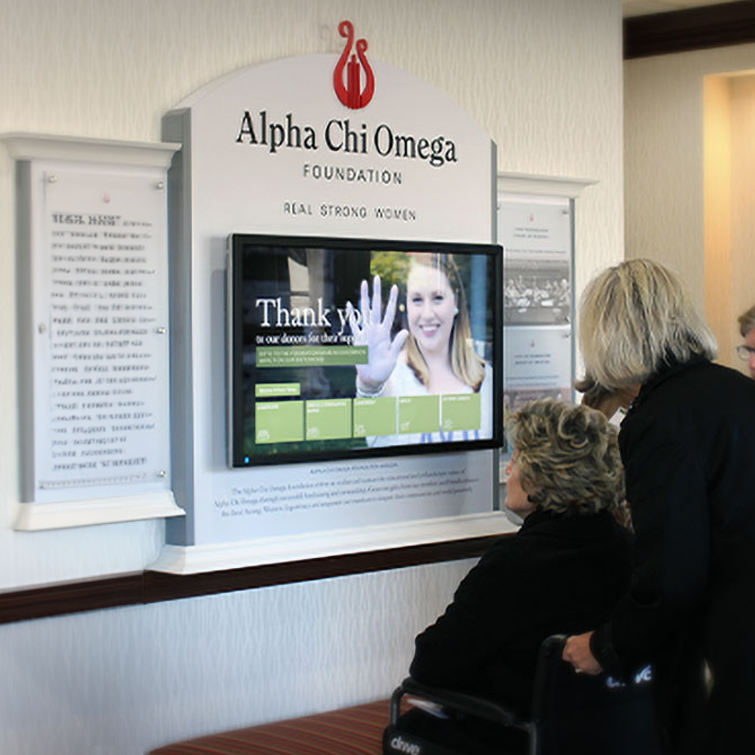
x,y
572,714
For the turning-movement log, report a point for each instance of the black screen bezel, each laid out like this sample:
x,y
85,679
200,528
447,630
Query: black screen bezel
x,y
237,242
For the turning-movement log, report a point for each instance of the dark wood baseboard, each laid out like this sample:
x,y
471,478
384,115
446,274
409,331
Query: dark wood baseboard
x,y
692,29
141,588
71,597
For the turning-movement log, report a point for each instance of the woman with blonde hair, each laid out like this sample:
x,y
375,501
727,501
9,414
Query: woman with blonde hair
x,y
433,353
687,444
439,270
562,571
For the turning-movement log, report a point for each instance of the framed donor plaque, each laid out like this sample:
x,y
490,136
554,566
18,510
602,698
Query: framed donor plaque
x,y
93,331
536,230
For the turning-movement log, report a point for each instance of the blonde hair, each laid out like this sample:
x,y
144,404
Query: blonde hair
x,y
746,321
633,318
568,455
466,364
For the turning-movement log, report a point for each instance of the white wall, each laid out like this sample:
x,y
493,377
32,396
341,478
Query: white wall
x,y
543,77
742,207
665,179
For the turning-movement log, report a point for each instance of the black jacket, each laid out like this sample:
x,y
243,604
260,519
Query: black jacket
x,y
557,574
688,445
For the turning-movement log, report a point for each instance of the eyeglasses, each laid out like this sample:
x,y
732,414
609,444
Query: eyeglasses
x,y
745,352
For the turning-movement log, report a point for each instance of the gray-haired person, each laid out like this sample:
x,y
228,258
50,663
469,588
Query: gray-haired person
x,y
687,443
746,351
563,571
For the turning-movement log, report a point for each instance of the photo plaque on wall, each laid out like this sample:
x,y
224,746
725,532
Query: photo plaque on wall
x,y
536,230
93,332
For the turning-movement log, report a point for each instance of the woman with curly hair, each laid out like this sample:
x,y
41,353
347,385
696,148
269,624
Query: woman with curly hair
x,y
563,570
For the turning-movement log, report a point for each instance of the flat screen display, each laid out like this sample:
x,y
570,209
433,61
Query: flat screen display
x,y
341,348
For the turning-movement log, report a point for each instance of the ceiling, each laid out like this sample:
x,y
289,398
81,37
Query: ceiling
x,y
646,7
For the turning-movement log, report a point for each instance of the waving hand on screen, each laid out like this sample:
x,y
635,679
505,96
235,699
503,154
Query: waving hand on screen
x,y
370,330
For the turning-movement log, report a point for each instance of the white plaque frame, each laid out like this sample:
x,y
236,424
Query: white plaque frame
x,y
534,193
102,255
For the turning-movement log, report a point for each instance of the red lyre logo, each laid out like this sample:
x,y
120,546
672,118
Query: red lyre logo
x,y
351,94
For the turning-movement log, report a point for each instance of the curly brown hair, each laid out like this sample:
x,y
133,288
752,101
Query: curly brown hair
x,y
568,456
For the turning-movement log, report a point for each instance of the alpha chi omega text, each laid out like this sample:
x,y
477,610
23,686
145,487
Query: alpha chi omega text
x,y
340,136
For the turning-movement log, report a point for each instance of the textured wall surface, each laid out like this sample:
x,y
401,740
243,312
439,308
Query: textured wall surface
x,y
126,680
717,207
543,77
742,280
664,166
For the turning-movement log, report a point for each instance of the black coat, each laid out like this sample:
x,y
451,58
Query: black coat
x,y
688,445
557,574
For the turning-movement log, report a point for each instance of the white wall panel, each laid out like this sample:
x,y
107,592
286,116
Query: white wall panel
x,y
130,679
664,156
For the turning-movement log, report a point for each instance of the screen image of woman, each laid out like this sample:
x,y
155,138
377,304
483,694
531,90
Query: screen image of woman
x,y
433,354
